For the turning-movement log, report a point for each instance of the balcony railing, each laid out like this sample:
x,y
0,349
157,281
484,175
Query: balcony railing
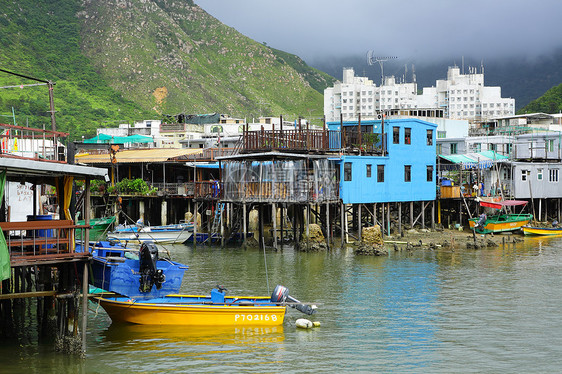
x,y
33,240
286,140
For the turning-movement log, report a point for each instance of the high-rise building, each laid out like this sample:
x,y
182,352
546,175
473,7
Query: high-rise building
x,y
460,96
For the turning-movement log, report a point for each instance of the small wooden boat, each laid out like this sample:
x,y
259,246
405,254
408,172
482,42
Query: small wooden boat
x,y
197,310
167,234
534,230
503,222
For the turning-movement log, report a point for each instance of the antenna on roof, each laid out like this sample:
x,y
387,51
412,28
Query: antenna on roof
x,y
371,59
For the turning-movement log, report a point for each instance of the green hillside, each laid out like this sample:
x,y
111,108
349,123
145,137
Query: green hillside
x,y
550,102
115,61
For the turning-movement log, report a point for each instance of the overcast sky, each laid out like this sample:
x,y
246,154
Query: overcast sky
x,y
410,29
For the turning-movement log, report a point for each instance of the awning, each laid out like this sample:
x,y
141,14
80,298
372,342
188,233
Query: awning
x,y
501,204
110,139
480,160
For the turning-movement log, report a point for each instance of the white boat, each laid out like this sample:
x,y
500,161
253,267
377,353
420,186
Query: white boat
x,y
167,234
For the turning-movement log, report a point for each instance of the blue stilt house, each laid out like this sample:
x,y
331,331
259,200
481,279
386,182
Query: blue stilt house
x,y
386,161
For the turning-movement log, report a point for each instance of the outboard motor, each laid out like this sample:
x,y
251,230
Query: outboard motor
x,y
149,273
281,295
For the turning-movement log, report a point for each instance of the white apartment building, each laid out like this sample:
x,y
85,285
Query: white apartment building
x,y
460,96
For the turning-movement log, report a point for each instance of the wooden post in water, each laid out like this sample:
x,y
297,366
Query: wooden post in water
x,y
328,225
388,218
281,221
244,224
433,215
423,214
195,210
411,214
360,226
400,218
274,219
382,220
342,231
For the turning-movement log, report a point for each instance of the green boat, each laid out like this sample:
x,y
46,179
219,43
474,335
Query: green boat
x,y
500,222
99,228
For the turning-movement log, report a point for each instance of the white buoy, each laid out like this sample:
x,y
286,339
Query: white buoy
x,y
303,323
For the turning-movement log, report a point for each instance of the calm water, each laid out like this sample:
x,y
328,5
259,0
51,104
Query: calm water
x,y
493,310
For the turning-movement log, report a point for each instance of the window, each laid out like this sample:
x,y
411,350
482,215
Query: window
x,y
407,173
539,174
551,145
396,135
441,134
553,175
453,148
407,135
430,173
439,149
380,173
347,171
368,170
429,137
492,147
524,174
477,147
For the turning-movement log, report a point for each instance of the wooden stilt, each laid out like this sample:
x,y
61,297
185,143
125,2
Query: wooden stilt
x,y
282,223
388,218
274,220
423,215
383,228
433,215
195,210
342,230
540,209
400,218
411,214
360,225
328,225
346,226
244,226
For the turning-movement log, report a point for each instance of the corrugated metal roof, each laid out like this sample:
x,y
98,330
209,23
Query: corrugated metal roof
x,y
138,155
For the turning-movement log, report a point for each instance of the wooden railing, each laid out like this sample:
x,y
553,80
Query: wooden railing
x,y
287,140
43,239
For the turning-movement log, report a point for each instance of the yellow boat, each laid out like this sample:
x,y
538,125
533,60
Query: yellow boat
x,y
533,230
197,310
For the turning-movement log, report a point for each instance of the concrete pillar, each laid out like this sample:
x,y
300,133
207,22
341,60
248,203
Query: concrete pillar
x,y
164,213
141,210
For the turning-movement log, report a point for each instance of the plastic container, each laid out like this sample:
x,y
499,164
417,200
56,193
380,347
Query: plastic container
x,y
48,233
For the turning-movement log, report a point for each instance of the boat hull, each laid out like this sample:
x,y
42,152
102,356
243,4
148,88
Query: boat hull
x,y
503,222
160,237
194,311
116,270
530,230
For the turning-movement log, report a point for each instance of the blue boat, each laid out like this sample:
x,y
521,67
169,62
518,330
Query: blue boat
x,y
136,274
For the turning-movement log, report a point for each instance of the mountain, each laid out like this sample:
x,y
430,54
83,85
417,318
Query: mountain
x,y
523,78
117,61
550,102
